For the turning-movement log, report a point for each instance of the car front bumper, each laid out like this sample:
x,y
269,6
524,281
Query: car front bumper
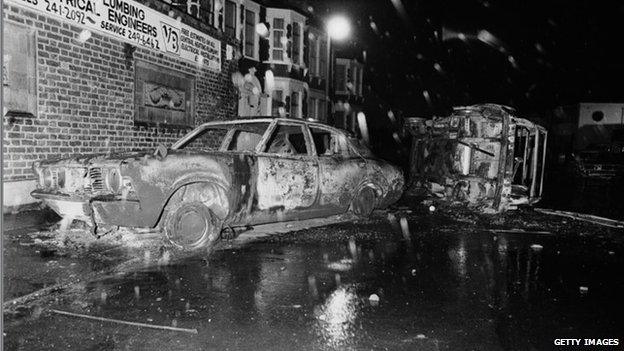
x,y
105,210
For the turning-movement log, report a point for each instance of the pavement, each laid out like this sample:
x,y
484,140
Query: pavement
x,y
406,279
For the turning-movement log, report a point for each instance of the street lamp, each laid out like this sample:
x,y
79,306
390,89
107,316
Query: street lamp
x,y
338,28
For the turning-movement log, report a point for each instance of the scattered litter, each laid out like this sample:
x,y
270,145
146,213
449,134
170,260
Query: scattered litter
x,y
583,289
374,298
421,336
414,272
158,299
432,208
136,324
583,217
520,231
537,247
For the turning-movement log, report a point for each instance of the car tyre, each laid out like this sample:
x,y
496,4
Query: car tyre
x,y
364,202
191,225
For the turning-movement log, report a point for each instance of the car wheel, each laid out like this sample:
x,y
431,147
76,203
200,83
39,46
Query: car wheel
x,y
191,225
364,202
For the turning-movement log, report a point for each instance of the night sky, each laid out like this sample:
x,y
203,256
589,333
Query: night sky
x,y
530,54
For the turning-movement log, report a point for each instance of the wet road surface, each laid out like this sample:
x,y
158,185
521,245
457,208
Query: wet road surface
x,y
443,283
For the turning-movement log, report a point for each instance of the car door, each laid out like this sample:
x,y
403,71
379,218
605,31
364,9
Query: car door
x,y
287,183
340,172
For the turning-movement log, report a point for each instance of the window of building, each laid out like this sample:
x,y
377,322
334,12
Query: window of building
x,y
360,78
312,108
322,58
278,101
321,110
354,79
294,105
296,47
207,11
250,33
230,18
313,59
278,34
340,77
192,8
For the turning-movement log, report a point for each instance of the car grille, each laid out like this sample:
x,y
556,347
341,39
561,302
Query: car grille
x,y
96,180
55,178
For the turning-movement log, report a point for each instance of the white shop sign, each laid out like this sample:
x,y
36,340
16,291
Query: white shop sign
x,y
137,24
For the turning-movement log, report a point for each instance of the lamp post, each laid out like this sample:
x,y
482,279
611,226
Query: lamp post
x,y
337,28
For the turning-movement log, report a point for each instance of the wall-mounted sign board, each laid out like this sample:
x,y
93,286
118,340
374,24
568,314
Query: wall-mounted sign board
x,y
137,24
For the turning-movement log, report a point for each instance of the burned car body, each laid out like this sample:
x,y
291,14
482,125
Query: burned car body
x,y
481,155
223,175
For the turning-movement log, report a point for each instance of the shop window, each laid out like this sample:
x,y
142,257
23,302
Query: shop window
x,y
250,33
296,45
230,18
278,35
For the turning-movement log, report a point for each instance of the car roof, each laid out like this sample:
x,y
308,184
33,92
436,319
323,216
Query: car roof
x,y
270,119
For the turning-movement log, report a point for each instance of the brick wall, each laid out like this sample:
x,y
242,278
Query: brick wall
x,y
86,95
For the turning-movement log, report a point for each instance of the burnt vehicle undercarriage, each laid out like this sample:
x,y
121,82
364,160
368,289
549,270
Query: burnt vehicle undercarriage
x,y
482,155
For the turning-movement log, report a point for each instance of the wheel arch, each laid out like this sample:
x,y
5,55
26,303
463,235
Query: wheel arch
x,y
367,184
209,184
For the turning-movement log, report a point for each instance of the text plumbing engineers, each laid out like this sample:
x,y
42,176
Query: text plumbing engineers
x,y
126,15
135,23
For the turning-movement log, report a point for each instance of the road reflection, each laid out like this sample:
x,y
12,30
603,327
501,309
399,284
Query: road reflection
x,y
439,290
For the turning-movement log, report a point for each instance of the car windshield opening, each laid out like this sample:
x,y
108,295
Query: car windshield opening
x,y
238,137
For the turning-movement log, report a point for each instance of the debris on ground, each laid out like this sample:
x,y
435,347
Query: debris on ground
x,y
583,217
135,324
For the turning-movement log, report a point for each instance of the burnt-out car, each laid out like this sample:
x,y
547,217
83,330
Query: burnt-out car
x,y
223,175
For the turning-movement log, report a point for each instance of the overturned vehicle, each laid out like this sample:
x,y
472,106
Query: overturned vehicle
x,y
222,175
482,155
